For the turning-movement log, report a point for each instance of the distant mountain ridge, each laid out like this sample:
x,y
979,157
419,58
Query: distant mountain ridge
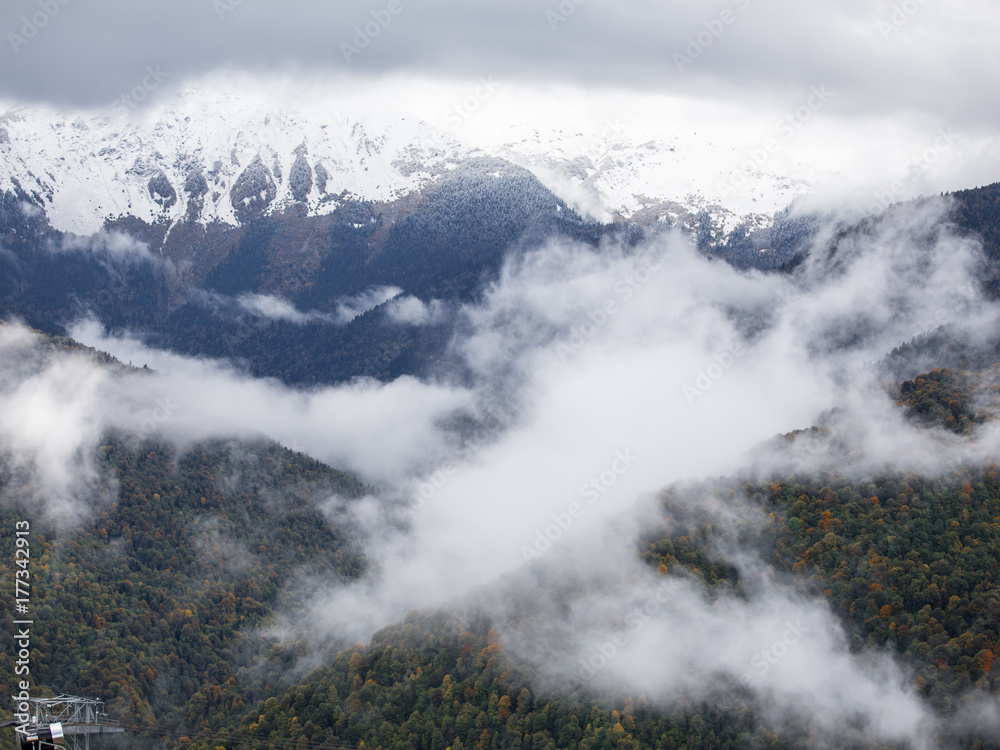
x,y
212,289
211,160
221,157
219,226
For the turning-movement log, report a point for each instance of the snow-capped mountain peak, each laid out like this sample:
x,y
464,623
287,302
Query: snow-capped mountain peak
x,y
212,158
219,156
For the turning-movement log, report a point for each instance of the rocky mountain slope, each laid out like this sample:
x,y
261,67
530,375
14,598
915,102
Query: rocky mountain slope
x,y
219,157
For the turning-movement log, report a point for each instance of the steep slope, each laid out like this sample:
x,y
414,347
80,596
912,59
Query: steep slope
x,y
977,212
214,289
211,157
150,593
146,605
668,179
217,156
905,562
50,279
974,213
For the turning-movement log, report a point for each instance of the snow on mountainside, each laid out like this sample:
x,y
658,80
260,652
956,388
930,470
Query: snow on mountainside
x,y
666,179
212,157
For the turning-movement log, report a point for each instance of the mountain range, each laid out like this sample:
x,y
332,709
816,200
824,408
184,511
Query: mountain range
x,y
461,322
219,157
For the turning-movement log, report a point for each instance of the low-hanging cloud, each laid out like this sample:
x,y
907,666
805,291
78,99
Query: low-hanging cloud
x,y
773,46
410,310
351,307
57,405
628,370
118,248
632,370
273,307
595,618
50,426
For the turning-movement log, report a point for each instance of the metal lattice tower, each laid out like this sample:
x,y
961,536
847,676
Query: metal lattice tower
x,y
79,718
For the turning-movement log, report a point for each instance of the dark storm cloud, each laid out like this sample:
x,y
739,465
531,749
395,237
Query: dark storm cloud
x,y
912,55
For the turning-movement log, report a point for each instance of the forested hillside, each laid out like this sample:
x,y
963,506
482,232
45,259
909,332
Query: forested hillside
x,y
977,211
906,562
444,244
152,602
159,602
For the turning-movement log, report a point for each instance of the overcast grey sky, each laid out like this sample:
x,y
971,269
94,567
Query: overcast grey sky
x,y
903,71
911,56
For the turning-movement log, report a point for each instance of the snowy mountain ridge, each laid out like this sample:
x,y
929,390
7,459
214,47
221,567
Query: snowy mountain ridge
x,y
211,160
669,178
211,157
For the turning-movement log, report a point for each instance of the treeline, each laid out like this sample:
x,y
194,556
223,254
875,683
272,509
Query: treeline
x,y
439,682
445,244
466,224
977,212
954,399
